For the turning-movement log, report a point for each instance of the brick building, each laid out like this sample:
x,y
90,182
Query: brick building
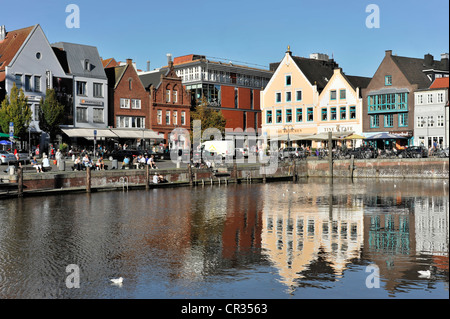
x,y
233,89
169,103
388,100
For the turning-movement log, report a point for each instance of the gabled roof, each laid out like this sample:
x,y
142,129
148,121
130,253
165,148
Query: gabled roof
x,y
413,69
440,83
10,46
109,63
318,72
153,78
360,82
77,54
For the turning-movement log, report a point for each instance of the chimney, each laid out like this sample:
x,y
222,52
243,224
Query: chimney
x,y
148,65
2,32
444,61
129,61
388,52
428,59
169,59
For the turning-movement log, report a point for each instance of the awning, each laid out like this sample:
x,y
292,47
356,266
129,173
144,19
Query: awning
x,y
114,133
136,133
324,136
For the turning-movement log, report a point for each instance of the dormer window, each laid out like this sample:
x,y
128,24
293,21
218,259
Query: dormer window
x,y
388,80
87,65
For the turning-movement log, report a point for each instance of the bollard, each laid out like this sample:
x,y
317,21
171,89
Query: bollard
x,y
88,179
20,181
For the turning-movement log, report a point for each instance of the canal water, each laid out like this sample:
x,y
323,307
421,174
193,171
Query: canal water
x,y
309,239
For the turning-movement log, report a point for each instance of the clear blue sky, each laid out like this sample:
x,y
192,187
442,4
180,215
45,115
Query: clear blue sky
x,y
253,31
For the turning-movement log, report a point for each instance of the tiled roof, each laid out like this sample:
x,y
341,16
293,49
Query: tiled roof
x,y
109,63
440,83
9,47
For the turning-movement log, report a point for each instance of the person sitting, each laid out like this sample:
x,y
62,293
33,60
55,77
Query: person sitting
x,y
86,161
77,164
45,164
142,161
36,165
161,179
155,178
151,162
126,163
100,164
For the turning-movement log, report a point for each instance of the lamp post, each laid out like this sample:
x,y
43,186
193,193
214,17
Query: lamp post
x,y
288,129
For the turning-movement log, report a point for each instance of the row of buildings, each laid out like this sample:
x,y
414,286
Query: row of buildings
x,y
292,99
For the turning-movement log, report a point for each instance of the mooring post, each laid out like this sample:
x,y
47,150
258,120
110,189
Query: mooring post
x,y
190,174
147,177
88,179
330,155
294,170
20,181
264,172
235,172
352,165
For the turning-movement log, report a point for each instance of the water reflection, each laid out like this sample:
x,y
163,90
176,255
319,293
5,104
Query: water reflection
x,y
305,240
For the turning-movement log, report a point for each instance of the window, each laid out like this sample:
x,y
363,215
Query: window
x,y
324,114
28,83
388,80
37,83
430,98
440,121
175,96
403,119
343,113
87,65
278,116
124,103
268,117
374,120
342,94
236,100
333,95
333,114
97,115
440,97
388,102
167,117
98,90
136,104
352,112
298,95
36,112
388,120
159,117
278,97
299,115
419,99
130,121
167,96
288,115
82,115
130,84
81,88
18,80
430,121
288,96
251,99
420,121
310,114
183,118
288,80
175,118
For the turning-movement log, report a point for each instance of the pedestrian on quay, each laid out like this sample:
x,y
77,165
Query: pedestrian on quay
x,y
34,163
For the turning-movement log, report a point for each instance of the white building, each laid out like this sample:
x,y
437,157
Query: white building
x,y
432,114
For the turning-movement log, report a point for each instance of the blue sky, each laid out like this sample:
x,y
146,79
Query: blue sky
x,y
251,31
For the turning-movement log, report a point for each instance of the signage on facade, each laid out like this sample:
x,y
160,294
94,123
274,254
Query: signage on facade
x,y
294,131
402,133
91,102
336,128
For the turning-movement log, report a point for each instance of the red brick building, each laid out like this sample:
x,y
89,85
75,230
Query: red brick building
x,y
233,89
169,103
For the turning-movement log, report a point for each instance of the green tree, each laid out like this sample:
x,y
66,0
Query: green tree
x,y
51,114
209,117
15,108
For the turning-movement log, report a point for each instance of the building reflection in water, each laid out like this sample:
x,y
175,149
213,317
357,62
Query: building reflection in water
x,y
319,230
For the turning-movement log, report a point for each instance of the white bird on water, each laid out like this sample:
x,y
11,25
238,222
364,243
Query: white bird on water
x,y
424,273
117,281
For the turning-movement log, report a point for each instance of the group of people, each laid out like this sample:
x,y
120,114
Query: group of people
x,y
81,163
40,168
140,162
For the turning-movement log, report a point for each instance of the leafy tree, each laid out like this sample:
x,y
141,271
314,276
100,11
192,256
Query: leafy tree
x,y
15,108
51,114
209,117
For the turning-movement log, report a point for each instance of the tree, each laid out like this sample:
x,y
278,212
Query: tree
x,y
209,117
15,108
51,114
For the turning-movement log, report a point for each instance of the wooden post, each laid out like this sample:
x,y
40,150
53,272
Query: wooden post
x,y
190,174
264,173
330,155
235,172
352,166
88,179
20,181
294,170
147,177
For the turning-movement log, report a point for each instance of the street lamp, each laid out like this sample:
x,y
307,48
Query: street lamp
x,y
288,129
